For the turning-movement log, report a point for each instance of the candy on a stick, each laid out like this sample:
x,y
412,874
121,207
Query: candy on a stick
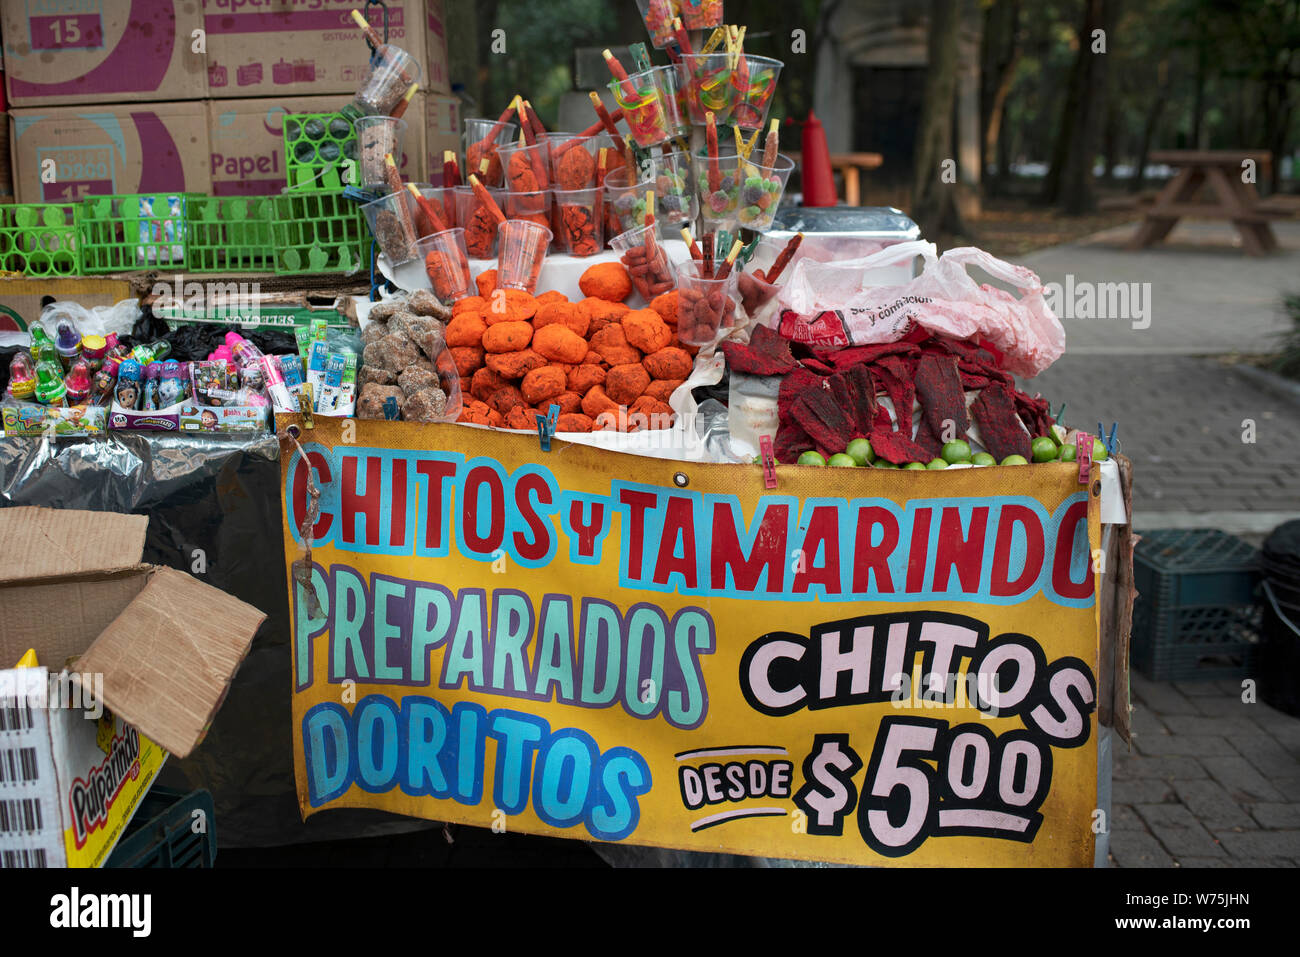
x,y
400,109
607,120
725,270
711,138
534,120
783,259
620,74
450,169
683,40
526,167
485,198
429,210
706,262
692,246
771,144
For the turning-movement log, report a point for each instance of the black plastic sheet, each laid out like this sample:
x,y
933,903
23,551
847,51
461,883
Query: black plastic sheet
x,y
214,512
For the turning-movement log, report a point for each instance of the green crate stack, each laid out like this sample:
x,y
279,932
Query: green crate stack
x,y
318,147
40,239
319,231
135,231
230,234
1195,617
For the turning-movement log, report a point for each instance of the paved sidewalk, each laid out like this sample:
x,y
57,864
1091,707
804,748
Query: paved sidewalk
x,y
1211,781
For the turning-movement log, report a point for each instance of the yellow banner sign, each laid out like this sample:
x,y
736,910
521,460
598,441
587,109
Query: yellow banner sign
x,y
860,666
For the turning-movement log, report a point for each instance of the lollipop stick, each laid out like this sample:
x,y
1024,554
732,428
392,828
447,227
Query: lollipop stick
x,y
619,74
711,138
485,198
692,245
771,144
783,259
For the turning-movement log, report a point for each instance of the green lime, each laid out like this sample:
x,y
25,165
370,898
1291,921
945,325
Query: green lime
x,y
915,467
936,464
882,464
860,449
982,459
1099,453
1015,460
841,461
955,452
1069,453
811,458
1044,450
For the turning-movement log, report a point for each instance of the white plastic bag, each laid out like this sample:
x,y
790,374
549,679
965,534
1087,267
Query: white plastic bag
x,y
838,304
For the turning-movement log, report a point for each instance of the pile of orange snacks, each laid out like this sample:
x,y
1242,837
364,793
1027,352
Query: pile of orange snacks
x,y
607,366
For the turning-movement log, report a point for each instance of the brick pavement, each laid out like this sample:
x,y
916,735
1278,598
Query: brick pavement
x,y
1211,781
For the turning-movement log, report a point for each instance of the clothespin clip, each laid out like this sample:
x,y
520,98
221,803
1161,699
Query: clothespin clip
x,y
546,426
1084,457
769,460
305,406
1109,441
1058,414
391,411
640,57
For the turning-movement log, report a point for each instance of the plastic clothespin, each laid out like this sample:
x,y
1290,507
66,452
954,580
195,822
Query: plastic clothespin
x,y
546,426
390,409
305,406
1058,414
1084,456
1108,441
640,57
769,461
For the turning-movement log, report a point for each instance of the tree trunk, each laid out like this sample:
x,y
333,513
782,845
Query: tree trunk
x,y
1069,181
1002,32
1158,101
934,180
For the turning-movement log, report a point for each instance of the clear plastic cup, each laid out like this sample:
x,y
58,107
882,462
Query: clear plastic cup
x,y
377,136
573,161
642,98
392,222
761,189
700,14
674,101
718,207
646,262
706,308
477,147
446,262
534,207
579,217
753,83
479,224
521,251
705,79
443,200
392,71
527,168
625,201
675,201
658,16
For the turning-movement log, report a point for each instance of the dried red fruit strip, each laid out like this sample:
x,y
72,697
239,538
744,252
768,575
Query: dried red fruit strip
x,y
896,447
824,421
942,399
767,354
892,374
791,442
926,439
995,414
971,381
1033,412
856,355
882,422
793,386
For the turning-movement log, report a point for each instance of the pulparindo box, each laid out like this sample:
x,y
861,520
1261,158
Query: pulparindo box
x,y
84,734
59,52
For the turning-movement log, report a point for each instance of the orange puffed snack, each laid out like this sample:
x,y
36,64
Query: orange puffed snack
x,y
465,329
601,313
551,295
645,330
542,384
661,389
469,304
625,383
514,365
573,422
666,305
520,306
612,346
651,406
507,337
569,402
521,417
486,281
468,359
484,383
560,344
505,399
567,313
606,281
596,401
474,411
583,377
669,363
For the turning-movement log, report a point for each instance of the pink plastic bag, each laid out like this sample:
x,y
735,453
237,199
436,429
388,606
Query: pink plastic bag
x,y
845,303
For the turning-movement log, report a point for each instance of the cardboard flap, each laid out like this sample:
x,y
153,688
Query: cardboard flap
x,y
168,659
39,543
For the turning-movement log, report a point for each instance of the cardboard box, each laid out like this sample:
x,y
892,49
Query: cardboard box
x,y
155,651
287,48
33,419
59,52
20,299
100,150
435,126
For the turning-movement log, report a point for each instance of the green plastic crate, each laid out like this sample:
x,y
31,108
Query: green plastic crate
x,y
163,832
317,148
135,231
40,239
231,234
1195,617
319,232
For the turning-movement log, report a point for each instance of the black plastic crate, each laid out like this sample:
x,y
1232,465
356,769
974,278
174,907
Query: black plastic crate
x,y
1195,617
162,833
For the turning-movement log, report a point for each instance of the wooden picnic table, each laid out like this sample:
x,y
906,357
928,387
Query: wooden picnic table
x,y
1219,173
